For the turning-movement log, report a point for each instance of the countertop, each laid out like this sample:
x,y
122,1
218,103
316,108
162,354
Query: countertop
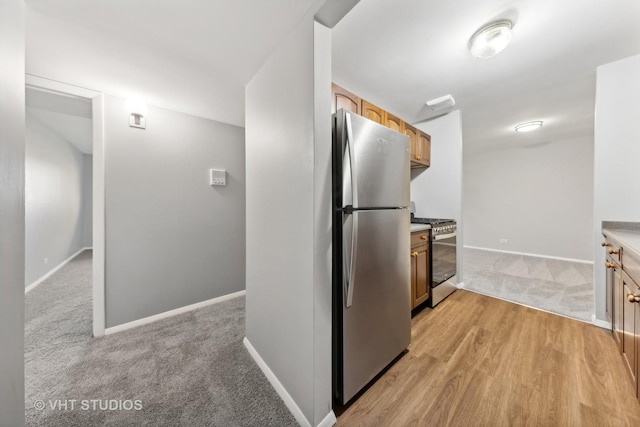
x,y
420,227
626,234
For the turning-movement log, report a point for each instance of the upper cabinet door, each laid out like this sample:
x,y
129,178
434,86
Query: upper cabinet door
x,y
342,98
412,133
394,123
373,113
423,149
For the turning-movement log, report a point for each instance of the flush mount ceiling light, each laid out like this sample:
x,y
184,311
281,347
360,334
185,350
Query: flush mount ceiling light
x,y
529,126
491,39
441,103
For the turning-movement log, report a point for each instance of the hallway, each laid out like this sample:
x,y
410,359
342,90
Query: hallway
x,y
191,369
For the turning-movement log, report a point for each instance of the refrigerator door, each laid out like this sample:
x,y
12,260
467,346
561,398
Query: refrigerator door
x,y
375,163
376,327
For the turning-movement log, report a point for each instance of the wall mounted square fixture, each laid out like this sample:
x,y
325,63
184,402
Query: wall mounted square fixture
x,y
137,113
217,177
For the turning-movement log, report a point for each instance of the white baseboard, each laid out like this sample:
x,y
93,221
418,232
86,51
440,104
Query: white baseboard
x,y
329,420
581,261
171,313
56,268
600,323
461,285
277,385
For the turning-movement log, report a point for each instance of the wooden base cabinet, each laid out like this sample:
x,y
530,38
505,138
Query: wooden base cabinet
x,y
631,325
624,293
420,268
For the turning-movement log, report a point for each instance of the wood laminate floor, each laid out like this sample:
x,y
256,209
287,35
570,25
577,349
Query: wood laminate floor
x,y
480,361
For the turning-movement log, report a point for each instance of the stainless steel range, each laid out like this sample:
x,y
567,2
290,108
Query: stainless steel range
x,y
443,257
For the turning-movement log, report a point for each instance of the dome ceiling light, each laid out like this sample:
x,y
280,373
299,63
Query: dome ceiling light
x,y
491,39
529,126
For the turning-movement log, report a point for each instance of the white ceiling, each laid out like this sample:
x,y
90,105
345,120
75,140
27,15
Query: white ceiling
x,y
196,56
193,56
67,116
400,54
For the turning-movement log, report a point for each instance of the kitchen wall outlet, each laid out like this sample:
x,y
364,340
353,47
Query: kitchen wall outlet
x,y
504,241
217,177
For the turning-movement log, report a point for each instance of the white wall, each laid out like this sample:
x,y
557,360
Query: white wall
x,y
12,112
171,239
322,219
437,190
288,216
617,157
54,206
538,197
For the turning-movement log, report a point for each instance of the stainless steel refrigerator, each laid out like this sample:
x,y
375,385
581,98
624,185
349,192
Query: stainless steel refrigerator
x,y
371,261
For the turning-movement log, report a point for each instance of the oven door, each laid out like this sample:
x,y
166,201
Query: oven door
x,y
443,258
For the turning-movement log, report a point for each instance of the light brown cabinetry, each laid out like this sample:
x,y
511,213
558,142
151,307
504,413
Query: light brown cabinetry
x,y
623,306
420,141
423,150
342,98
395,123
420,268
373,113
631,329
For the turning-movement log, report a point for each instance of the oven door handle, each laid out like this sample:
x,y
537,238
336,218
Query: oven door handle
x,y
444,236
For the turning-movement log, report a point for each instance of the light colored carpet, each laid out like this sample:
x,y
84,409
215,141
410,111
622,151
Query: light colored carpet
x,y
561,287
188,370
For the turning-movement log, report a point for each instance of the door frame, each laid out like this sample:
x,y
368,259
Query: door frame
x,y
98,203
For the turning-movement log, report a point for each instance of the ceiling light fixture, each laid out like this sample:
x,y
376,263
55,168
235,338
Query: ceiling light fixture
x,y
529,126
491,39
441,103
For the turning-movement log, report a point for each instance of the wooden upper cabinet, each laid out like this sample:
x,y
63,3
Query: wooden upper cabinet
x,y
423,149
412,133
394,123
419,142
342,98
373,113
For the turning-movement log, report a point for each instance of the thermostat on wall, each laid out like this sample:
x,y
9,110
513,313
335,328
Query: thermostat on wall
x,y
217,177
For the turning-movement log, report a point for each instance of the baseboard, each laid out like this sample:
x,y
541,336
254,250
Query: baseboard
x,y
171,313
329,420
600,323
581,261
47,275
277,385
461,285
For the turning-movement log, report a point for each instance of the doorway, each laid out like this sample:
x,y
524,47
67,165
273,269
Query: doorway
x,y
64,200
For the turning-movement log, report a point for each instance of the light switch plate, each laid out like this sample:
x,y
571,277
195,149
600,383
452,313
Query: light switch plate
x,y
217,177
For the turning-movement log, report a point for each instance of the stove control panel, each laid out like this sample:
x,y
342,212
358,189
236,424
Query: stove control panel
x,y
444,228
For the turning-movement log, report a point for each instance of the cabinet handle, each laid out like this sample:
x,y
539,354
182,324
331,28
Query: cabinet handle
x,y
632,298
414,254
605,244
613,251
418,158
423,237
609,265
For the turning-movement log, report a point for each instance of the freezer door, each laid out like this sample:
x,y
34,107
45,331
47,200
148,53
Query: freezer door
x,y
377,325
375,163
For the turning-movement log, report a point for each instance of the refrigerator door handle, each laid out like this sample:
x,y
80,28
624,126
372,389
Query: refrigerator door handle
x,y
349,278
352,166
